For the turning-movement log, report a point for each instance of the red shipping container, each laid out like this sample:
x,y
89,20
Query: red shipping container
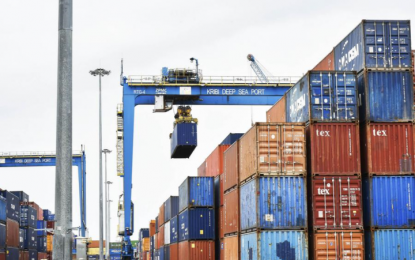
x,y
50,224
338,244
334,148
12,233
214,162
388,148
221,189
231,167
201,171
231,246
231,212
161,215
152,227
327,63
174,251
277,113
2,256
42,256
23,255
336,202
197,250
161,237
221,220
156,241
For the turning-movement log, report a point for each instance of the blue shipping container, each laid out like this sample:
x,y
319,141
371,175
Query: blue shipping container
x,y
375,45
388,201
196,192
385,244
12,253
23,197
115,251
3,209
144,232
31,239
197,224
161,253
22,238
115,257
174,230
28,216
323,96
231,138
171,207
274,203
2,236
46,214
41,244
41,226
152,247
183,140
274,245
33,255
166,252
385,96
13,205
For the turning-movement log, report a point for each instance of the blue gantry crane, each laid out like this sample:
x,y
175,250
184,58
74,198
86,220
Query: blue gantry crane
x,y
37,159
163,92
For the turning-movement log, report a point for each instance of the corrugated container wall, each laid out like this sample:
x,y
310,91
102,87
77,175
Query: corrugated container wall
x,y
183,140
13,205
385,96
3,209
390,244
323,96
334,149
28,216
376,45
161,215
196,192
2,235
160,237
388,201
231,212
277,113
327,63
174,230
231,248
174,252
152,228
344,244
274,245
388,148
272,149
336,202
171,207
231,138
197,224
167,233
12,233
231,167
214,162
274,203
197,250
201,170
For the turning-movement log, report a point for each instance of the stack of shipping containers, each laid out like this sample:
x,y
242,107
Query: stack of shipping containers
x,y
143,244
28,224
9,236
171,211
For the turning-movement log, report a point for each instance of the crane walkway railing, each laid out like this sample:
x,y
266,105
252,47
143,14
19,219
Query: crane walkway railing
x,y
34,154
212,80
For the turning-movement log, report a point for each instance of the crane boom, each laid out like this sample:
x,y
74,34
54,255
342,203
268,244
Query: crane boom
x,y
258,71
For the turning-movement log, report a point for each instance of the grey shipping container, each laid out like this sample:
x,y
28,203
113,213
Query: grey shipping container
x,y
171,207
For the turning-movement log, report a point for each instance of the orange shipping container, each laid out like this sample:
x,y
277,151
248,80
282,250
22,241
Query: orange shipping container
x,y
145,244
152,228
214,162
231,212
49,243
327,63
344,244
42,256
95,244
156,241
231,167
148,255
161,215
222,249
221,219
231,245
201,171
174,251
161,237
277,113
272,149
197,250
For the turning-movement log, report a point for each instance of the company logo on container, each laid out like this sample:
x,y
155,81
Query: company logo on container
x,y
348,57
298,104
323,133
323,191
379,132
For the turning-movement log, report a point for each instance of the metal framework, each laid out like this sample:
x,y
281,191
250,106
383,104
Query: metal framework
x,y
36,159
142,90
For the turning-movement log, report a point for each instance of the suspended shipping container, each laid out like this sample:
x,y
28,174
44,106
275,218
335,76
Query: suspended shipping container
x,y
174,230
327,63
272,149
13,205
375,44
196,192
334,148
231,167
391,244
231,212
273,203
323,96
231,138
214,162
388,148
277,113
386,96
231,248
338,244
171,207
197,250
183,140
197,224
388,201
274,245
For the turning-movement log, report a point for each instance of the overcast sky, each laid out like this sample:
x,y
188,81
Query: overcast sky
x,y
288,37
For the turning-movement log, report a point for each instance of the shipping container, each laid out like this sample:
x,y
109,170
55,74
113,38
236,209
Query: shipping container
x,y
23,255
41,231
145,246
231,212
161,219
28,216
272,149
220,222
49,243
385,96
143,233
174,230
336,202
327,63
13,205
42,243
231,138
12,253
12,233
152,247
174,251
388,244
46,214
375,44
50,225
196,192
152,229
38,209
2,255
323,96
221,249
231,167
157,224
33,255
333,149
216,191
183,140
278,113
197,250
161,253
2,236
201,170
42,256
343,244
171,207
23,197
156,241
3,209
31,239
166,252
197,224
167,233
274,245
273,203
161,237
388,148
214,162
231,248
388,201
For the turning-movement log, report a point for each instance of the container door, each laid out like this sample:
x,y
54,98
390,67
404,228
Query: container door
x,y
350,245
326,244
293,150
350,201
324,201
375,45
344,100
269,153
321,86
399,45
